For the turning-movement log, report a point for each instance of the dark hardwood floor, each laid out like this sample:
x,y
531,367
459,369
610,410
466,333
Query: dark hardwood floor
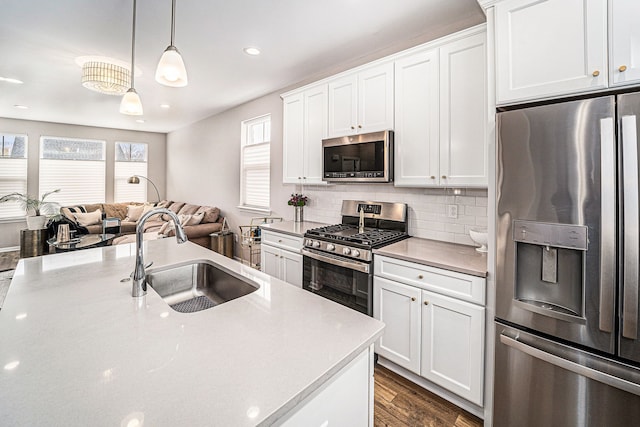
x,y
399,403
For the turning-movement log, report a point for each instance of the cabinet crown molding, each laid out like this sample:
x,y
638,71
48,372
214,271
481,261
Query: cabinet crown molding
x,y
477,29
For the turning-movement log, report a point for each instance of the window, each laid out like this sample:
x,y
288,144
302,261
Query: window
x,y
76,166
13,172
255,163
131,159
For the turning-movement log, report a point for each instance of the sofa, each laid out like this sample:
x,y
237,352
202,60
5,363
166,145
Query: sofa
x,y
201,220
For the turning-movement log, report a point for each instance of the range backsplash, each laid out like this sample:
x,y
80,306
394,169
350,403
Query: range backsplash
x,y
427,207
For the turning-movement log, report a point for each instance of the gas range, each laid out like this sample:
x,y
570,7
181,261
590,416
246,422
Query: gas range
x,y
337,259
382,223
347,240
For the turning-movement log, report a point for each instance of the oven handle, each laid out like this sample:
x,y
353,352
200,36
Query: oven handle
x,y
352,265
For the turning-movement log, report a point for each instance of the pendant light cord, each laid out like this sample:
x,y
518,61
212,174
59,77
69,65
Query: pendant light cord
x,y
173,20
133,45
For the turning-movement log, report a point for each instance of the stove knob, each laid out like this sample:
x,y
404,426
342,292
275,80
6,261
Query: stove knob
x,y
308,242
346,251
355,253
316,244
331,247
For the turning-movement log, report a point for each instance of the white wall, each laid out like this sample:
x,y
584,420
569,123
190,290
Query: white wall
x,y
10,230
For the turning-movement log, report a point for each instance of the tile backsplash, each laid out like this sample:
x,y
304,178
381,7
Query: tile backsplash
x,y
428,207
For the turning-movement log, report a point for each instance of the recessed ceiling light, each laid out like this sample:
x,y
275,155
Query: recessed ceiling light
x,y
165,106
252,51
140,120
22,107
10,80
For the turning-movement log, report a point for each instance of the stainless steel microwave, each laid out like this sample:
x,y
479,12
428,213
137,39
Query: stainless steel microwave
x,y
358,158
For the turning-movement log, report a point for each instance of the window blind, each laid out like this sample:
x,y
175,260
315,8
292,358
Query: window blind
x,y
256,175
125,192
13,179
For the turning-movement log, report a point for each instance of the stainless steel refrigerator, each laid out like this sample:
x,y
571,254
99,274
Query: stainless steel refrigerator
x,y
567,349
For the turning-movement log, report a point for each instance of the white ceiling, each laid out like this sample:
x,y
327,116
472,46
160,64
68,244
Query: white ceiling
x,y
300,40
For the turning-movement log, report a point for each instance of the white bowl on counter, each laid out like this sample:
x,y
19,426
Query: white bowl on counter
x,y
479,236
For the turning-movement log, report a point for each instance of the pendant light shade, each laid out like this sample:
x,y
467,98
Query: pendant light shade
x,y
131,103
171,70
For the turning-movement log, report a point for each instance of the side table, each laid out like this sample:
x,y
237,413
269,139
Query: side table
x,y
222,243
33,243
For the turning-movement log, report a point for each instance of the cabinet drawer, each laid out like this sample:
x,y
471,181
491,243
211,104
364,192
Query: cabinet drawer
x,y
283,241
445,282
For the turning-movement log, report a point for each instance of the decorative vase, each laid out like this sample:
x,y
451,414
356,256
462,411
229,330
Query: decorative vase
x,y
298,214
36,222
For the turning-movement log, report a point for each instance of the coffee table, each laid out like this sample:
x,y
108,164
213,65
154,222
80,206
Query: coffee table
x,y
84,241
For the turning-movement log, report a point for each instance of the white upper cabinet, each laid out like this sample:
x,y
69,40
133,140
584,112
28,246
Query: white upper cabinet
x,y
547,48
441,115
624,42
361,102
417,120
304,128
463,113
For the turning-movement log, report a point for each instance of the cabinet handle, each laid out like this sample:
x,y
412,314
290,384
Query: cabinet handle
x,y
352,127
596,73
299,177
279,240
426,303
413,298
420,276
359,126
622,68
432,177
444,177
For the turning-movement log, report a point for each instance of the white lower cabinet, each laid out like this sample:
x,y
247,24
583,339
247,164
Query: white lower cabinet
x,y
453,345
439,337
280,257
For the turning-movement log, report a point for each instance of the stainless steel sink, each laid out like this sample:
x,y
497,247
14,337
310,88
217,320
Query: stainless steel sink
x,y
197,286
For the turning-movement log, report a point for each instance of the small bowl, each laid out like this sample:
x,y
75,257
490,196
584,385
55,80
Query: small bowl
x,y
479,236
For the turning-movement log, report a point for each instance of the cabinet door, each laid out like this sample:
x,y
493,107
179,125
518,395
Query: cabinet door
x,y
453,345
291,268
315,130
398,306
292,139
624,42
417,120
375,99
343,98
548,48
463,113
270,261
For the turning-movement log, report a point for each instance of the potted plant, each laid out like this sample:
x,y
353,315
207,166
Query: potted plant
x,y
298,201
39,207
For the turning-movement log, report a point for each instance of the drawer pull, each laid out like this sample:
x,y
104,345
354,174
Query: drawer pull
x,y
279,240
413,298
426,303
420,276
596,73
622,68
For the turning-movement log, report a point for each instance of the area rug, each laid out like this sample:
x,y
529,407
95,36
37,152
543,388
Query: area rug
x,y
5,281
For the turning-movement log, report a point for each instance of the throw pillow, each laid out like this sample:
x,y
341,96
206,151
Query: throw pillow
x,y
135,212
86,219
210,214
185,220
69,211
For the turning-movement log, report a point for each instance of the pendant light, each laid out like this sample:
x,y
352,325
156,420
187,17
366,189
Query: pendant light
x,y
131,103
171,70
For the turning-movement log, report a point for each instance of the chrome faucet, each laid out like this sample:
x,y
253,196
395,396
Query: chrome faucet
x,y
139,274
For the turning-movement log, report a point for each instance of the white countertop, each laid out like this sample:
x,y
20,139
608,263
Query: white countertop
x,y
450,256
89,353
292,227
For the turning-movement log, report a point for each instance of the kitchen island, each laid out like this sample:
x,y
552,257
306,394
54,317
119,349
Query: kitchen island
x,y
77,349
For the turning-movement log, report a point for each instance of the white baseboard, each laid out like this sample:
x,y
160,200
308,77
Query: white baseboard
x,y
434,388
10,249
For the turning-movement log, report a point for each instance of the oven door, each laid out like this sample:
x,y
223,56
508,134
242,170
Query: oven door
x,y
347,282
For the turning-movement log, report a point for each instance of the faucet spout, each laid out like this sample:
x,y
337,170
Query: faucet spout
x,y
139,273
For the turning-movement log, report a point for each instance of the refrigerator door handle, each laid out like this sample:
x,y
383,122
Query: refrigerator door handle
x,y
569,365
608,221
630,192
